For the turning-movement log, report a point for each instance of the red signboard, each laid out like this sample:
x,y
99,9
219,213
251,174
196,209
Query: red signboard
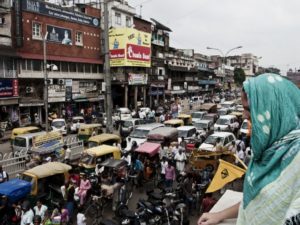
x,y
117,54
139,53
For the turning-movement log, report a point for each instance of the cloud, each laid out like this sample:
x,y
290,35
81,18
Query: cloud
x,y
266,28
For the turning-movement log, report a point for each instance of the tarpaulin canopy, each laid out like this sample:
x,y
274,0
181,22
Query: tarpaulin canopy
x,y
149,148
15,189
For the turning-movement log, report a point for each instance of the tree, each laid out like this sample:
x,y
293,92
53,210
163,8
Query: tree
x,y
239,76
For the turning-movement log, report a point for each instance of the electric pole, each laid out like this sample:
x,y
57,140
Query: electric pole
x,y
108,110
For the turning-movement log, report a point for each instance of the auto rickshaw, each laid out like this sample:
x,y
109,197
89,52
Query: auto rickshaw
x,y
46,180
187,119
93,156
239,116
174,123
103,139
23,130
209,108
163,135
207,159
88,130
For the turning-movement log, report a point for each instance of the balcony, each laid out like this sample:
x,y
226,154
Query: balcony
x,y
123,7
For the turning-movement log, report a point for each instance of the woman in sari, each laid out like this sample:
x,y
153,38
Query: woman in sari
x,y
271,192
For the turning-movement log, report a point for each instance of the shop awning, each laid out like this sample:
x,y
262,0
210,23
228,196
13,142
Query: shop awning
x,y
81,100
175,92
207,82
9,101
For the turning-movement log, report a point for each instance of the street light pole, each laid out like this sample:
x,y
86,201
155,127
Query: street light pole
x,y
45,80
109,127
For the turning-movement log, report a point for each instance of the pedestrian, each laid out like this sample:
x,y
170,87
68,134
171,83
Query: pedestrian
x,y
240,155
37,220
85,185
219,145
180,159
127,157
27,215
81,219
138,169
232,147
170,175
182,144
68,154
162,118
271,103
40,209
3,175
163,166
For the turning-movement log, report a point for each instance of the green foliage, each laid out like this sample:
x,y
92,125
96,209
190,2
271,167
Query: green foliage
x,y
239,76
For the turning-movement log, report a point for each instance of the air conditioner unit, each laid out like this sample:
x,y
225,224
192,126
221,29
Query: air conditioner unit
x,y
61,81
29,90
50,81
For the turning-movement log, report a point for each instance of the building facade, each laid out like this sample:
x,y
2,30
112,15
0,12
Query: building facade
x,y
72,39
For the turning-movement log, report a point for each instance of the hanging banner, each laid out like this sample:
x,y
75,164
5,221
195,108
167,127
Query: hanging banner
x,y
56,11
59,35
129,47
137,79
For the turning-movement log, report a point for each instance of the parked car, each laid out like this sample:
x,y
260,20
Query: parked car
x,y
210,142
76,120
229,105
244,130
197,116
225,123
139,134
60,125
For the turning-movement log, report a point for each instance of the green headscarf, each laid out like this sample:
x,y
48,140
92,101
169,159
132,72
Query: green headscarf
x,y
275,111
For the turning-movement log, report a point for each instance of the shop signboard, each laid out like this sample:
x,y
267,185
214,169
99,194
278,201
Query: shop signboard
x,y
58,12
9,88
137,79
129,47
59,35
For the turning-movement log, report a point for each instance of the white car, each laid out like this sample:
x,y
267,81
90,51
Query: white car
x,y
229,105
197,116
76,120
244,130
187,132
139,134
225,123
204,124
60,125
210,142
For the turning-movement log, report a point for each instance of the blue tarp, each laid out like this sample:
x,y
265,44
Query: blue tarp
x,y
15,189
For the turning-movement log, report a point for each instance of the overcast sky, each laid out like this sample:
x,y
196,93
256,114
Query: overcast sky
x,y
267,28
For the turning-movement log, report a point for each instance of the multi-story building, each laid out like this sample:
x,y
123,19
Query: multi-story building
x,y
72,39
158,75
294,77
224,71
8,65
248,62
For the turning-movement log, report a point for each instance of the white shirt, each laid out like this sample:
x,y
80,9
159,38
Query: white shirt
x,y
27,217
3,176
68,153
81,220
41,212
163,165
127,159
180,164
241,155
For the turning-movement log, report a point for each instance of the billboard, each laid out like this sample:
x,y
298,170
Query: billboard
x,y
58,12
9,88
129,47
59,35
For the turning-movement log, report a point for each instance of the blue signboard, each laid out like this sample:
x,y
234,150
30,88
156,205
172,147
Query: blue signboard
x,y
59,12
8,88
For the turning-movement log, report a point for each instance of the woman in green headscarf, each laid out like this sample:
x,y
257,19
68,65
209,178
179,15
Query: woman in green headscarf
x,y
272,183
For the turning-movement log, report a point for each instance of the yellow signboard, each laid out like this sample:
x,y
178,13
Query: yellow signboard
x,y
129,47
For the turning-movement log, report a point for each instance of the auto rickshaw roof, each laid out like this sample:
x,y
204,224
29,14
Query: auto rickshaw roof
x,y
102,150
184,116
238,114
164,131
24,129
85,126
208,107
113,163
15,189
105,137
174,121
149,148
48,169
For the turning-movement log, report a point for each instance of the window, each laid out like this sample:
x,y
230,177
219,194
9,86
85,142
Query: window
x,y
36,30
128,21
64,67
36,65
79,38
118,18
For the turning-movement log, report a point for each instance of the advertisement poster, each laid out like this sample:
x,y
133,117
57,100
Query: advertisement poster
x,y
59,12
49,140
9,88
59,35
129,47
137,79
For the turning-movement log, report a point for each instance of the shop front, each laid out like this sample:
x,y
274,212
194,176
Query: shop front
x,y
9,96
156,94
137,88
